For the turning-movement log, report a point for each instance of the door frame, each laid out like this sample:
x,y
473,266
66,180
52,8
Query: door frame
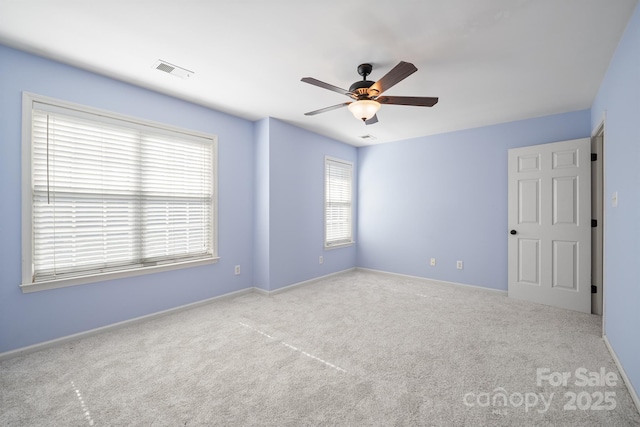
x,y
600,130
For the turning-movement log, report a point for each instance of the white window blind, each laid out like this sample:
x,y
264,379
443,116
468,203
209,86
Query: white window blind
x,y
338,200
110,194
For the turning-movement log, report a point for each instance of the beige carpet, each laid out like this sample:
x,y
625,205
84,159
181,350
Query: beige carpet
x,y
359,348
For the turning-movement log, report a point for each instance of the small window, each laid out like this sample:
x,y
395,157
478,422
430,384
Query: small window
x,y
338,212
107,196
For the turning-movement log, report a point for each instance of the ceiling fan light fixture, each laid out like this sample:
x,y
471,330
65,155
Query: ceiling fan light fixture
x,y
364,109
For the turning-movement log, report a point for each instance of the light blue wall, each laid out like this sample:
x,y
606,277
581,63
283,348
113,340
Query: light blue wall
x,y
296,197
619,99
27,319
445,196
261,215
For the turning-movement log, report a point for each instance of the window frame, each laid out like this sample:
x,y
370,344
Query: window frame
x,y
27,286
342,244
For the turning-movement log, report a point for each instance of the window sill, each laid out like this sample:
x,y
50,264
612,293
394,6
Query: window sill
x,y
82,280
339,245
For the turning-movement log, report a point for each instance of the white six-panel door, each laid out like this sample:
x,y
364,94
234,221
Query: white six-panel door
x,y
550,224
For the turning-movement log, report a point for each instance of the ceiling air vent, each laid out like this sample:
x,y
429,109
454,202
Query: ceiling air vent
x,y
368,137
174,70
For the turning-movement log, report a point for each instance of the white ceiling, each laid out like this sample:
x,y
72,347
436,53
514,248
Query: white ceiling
x,y
489,61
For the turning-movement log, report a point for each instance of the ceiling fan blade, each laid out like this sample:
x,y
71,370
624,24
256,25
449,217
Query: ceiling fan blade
x,y
372,120
324,110
324,85
396,75
418,101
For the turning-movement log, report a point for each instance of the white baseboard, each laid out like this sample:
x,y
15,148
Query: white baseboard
x,y
51,343
261,291
625,378
306,282
482,288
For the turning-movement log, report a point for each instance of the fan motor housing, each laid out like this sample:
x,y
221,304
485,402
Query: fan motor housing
x,y
361,87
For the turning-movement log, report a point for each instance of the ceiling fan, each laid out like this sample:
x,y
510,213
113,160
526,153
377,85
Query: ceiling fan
x,y
367,93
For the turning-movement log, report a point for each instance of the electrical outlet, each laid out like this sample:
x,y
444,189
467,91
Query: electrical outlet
x,y
459,265
237,270
321,259
433,262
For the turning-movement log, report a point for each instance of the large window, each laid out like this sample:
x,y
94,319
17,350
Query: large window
x,y
106,196
338,212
